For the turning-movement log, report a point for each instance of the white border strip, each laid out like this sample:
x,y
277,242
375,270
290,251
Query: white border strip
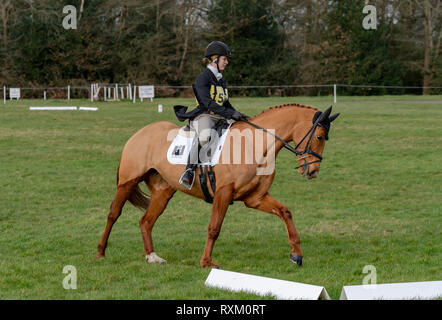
x,y
394,291
52,108
281,289
64,108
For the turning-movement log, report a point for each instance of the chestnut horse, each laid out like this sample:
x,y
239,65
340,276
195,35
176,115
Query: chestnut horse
x,y
144,158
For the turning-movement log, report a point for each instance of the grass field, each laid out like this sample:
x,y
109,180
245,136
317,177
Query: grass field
x,y
377,201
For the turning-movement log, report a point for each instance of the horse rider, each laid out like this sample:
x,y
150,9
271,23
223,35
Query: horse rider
x,y
213,102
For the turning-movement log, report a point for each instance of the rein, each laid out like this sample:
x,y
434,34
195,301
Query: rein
x,y
307,152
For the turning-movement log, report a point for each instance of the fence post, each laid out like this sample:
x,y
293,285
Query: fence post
x,y
44,95
69,92
4,94
135,93
334,93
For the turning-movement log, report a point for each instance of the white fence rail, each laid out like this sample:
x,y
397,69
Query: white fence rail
x,y
117,92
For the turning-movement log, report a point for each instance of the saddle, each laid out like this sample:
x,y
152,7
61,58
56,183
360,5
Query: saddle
x,y
183,146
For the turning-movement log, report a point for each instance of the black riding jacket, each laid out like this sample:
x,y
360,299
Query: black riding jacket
x,y
211,95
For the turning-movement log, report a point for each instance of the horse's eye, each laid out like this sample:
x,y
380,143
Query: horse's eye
x,y
319,138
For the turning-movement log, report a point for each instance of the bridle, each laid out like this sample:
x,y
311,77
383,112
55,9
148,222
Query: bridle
x,y
307,152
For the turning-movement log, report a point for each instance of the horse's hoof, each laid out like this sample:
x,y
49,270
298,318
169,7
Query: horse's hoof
x,y
206,264
153,258
296,259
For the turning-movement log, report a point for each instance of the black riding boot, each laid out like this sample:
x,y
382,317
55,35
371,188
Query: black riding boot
x,y
188,177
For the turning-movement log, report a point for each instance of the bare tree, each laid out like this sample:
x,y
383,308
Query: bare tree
x,y
5,9
430,12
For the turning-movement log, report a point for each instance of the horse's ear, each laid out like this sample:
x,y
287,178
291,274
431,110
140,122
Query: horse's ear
x,y
321,116
333,117
327,112
316,116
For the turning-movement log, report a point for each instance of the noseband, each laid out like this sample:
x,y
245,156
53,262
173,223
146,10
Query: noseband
x,y
308,152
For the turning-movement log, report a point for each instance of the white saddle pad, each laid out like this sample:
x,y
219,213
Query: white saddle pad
x,y
179,149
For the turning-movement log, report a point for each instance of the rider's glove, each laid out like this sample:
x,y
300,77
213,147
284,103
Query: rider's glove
x,y
239,116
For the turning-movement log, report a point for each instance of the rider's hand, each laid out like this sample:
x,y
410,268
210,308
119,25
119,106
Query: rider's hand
x,y
239,116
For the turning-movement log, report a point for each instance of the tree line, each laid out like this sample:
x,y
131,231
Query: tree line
x,y
273,42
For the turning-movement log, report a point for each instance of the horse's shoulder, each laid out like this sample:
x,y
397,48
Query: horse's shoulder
x,y
239,125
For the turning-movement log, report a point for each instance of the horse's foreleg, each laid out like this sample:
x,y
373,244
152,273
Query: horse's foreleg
x,y
221,201
160,196
270,205
121,196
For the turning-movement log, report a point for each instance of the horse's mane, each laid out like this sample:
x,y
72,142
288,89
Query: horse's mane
x,y
295,105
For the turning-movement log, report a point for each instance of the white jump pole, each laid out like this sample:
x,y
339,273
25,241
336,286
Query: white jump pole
x,y
122,92
129,88
92,93
96,91
4,94
116,91
135,93
69,92
334,93
44,95
104,93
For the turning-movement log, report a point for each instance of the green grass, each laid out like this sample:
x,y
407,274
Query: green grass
x,y
377,201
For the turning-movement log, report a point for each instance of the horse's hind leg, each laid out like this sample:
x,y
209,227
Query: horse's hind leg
x,y
161,193
121,196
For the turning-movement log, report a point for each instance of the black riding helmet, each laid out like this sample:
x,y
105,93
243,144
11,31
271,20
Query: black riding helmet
x,y
218,48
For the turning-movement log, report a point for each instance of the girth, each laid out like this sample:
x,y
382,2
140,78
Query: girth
x,y
207,171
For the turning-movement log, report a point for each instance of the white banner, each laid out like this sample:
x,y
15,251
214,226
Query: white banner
x,y
14,93
146,92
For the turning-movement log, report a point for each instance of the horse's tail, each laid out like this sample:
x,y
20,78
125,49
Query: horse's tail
x,y
137,197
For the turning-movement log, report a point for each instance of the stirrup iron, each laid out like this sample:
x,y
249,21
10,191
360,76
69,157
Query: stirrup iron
x,y
185,185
